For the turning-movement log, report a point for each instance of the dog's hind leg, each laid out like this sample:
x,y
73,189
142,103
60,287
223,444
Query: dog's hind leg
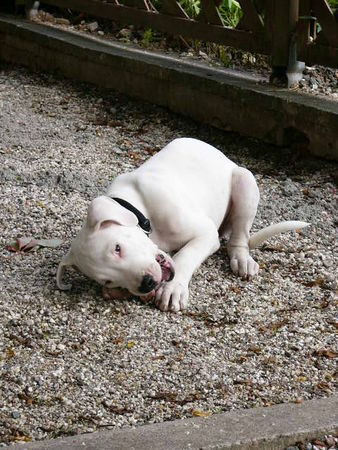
x,y
244,202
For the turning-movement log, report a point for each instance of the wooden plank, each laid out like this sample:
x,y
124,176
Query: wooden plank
x,y
268,20
210,13
140,4
277,17
251,20
248,41
303,24
319,54
327,21
173,8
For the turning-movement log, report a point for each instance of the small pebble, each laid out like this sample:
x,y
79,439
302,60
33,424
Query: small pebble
x,y
93,26
331,441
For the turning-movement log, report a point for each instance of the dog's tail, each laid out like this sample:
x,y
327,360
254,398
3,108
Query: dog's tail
x,y
266,233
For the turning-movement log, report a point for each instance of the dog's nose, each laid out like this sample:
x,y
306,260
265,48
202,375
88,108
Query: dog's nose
x,y
148,284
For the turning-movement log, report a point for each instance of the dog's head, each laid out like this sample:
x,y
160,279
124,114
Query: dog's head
x,y
113,250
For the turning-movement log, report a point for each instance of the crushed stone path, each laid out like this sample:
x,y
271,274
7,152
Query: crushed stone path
x,y
71,362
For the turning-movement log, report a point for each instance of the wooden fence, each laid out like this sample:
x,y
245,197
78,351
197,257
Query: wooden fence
x,y
287,30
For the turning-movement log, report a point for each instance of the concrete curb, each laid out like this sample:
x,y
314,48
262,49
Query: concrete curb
x,y
272,428
208,95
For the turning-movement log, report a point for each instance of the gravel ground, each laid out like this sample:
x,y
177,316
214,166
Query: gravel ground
x,y
71,362
327,443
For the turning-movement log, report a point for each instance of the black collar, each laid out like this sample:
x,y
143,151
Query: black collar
x,y
143,222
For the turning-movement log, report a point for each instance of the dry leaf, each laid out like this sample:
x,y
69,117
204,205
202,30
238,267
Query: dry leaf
x,y
273,326
100,121
246,382
150,150
130,344
114,123
119,410
319,443
17,436
166,396
333,322
172,397
323,386
27,398
159,357
235,289
274,248
325,353
270,360
26,244
317,282
135,156
255,349
199,413
65,100
325,303
241,359
267,404
301,378
10,353
192,397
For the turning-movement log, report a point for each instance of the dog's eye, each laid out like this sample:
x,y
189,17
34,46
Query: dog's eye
x,y
117,249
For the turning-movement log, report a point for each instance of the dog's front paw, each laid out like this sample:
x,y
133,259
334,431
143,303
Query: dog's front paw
x,y
172,296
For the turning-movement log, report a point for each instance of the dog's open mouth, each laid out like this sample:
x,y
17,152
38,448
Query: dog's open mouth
x,y
167,268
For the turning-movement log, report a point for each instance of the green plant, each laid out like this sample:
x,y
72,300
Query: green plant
x,y
196,45
224,56
231,12
147,38
191,7
333,4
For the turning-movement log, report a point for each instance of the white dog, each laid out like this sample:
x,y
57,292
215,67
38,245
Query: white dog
x,y
181,200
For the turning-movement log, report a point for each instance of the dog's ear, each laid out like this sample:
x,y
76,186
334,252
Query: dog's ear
x,y
104,211
67,260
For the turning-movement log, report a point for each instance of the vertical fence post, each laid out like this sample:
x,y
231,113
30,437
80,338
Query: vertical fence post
x,y
281,22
